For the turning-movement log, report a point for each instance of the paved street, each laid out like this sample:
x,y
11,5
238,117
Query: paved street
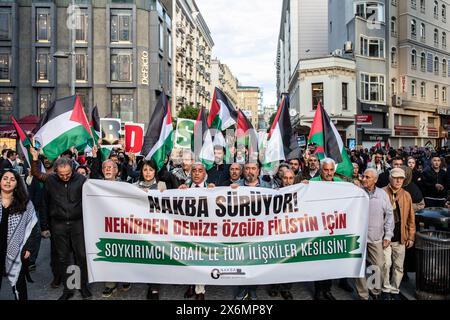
x,y
40,289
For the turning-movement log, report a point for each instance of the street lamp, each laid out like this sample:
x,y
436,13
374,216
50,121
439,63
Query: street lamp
x,y
71,53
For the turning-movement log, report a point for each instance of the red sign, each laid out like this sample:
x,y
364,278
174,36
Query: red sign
x,y
134,137
363,119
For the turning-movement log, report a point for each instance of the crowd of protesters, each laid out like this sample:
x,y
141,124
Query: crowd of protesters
x,y
398,182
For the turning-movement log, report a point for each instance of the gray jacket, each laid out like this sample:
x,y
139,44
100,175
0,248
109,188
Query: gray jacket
x,y
381,217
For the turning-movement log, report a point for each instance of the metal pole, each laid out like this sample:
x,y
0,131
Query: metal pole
x,y
73,74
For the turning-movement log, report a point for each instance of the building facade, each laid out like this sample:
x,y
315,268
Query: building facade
x,y
249,101
303,34
419,71
123,56
223,78
331,80
357,29
193,44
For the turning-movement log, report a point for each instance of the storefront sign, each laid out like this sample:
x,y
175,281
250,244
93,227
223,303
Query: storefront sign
x,y
144,68
363,119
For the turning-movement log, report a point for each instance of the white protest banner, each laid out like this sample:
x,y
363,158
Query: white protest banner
x,y
224,236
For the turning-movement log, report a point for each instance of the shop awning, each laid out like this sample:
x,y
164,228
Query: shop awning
x,y
27,123
381,131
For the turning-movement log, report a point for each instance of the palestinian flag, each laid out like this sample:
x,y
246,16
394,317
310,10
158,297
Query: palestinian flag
x,y
280,140
24,141
222,114
329,142
158,142
203,140
246,134
63,125
95,125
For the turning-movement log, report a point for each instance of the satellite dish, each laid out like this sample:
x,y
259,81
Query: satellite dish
x,y
292,112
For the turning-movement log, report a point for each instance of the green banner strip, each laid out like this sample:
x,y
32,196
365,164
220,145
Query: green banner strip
x,y
228,254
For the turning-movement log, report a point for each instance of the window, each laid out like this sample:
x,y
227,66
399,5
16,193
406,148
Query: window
x,y
394,57
5,23
317,94
436,10
121,67
159,9
422,6
6,106
372,11
413,4
414,59
422,90
422,32
83,95
122,107
121,25
444,13
436,65
436,93
423,62
444,68
344,96
394,3
393,27
444,94
169,43
372,88
372,47
161,36
43,66
81,23
413,88
81,67
444,40
161,72
43,25
43,103
436,37
393,86
413,29
5,63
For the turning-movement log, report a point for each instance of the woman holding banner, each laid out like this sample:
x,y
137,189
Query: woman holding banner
x,y
148,181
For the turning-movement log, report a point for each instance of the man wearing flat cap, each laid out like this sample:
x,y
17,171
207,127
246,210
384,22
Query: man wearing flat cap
x,y
403,238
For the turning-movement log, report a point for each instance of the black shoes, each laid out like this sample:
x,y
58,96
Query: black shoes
x,y
287,295
66,296
108,292
86,294
55,283
199,296
273,293
190,292
152,294
324,295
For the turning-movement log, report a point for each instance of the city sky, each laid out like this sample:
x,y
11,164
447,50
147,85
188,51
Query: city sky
x,y
245,35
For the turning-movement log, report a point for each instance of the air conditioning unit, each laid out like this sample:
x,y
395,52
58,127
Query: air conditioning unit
x,y
348,47
397,101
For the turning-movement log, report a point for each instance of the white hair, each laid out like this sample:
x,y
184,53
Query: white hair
x,y
327,161
374,172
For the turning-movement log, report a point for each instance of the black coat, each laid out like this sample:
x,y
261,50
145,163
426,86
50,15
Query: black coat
x,y
63,200
429,179
219,174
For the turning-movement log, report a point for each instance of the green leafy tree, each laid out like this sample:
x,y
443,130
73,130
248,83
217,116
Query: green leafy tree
x,y
188,112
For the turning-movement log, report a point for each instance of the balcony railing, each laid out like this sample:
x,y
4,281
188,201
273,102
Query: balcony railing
x,y
394,3
394,34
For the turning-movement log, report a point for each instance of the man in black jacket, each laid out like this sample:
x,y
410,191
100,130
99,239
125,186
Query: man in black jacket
x,y
434,184
63,204
221,171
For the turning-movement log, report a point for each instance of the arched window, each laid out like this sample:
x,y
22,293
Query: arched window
x,y
422,5
413,88
394,57
444,68
436,93
393,27
422,31
413,4
444,12
436,37
414,59
413,29
444,94
422,89
393,86
436,9
436,65
423,62
444,40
